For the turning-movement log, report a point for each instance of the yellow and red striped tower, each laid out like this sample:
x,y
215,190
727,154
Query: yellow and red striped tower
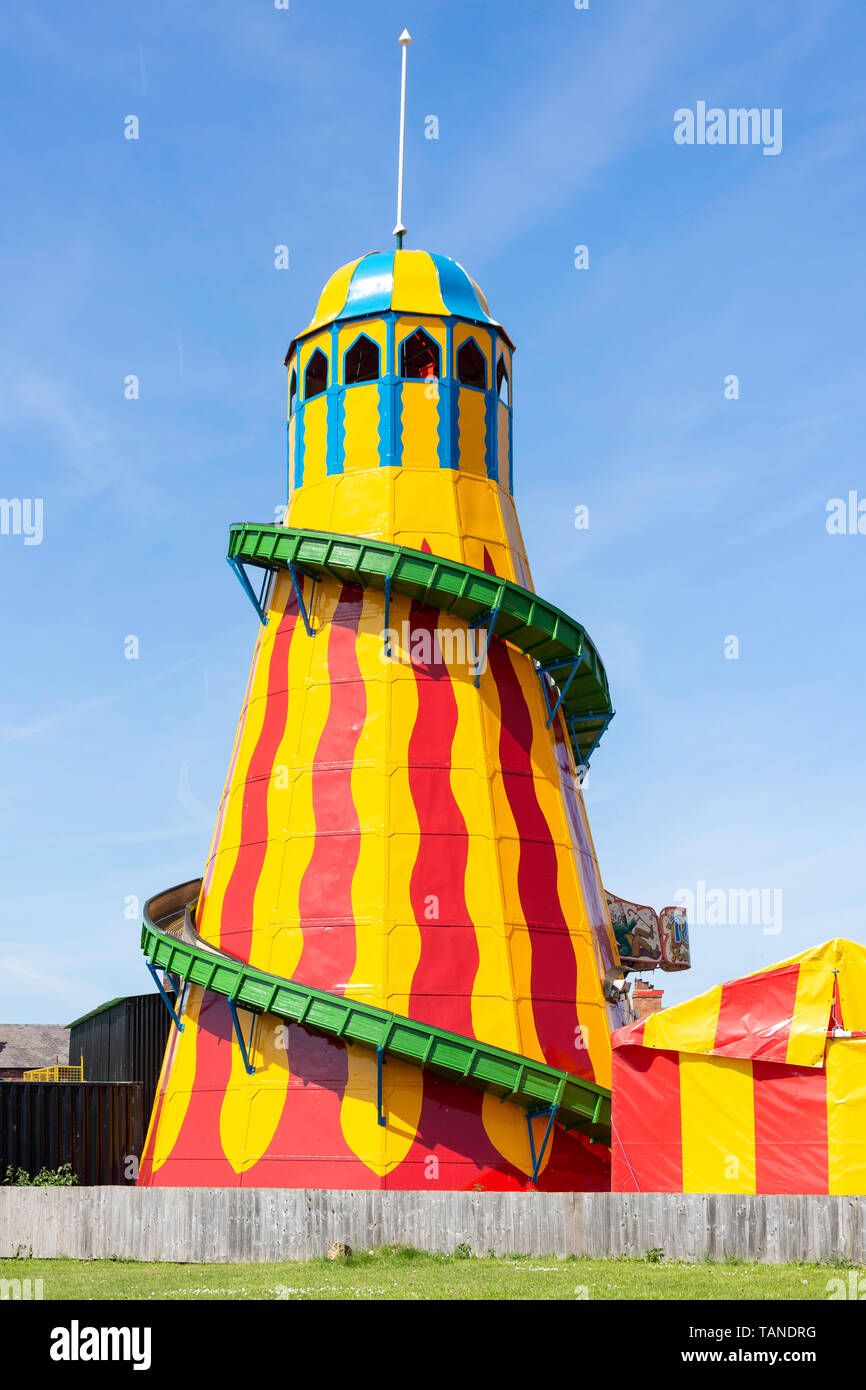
x,y
402,821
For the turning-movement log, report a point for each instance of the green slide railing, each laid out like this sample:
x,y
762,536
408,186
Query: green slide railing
x,y
170,943
561,647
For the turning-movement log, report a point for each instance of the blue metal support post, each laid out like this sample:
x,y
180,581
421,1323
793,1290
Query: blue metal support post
x,y
380,1113
244,1046
165,999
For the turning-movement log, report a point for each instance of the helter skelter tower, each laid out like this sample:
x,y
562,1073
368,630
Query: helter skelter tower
x,y
396,970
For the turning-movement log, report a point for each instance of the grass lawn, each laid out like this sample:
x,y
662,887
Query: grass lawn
x,y
397,1273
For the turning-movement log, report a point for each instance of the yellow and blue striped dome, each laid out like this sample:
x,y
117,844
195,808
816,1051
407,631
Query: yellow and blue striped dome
x,y
416,282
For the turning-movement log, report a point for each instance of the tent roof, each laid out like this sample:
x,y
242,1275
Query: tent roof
x,y
779,1014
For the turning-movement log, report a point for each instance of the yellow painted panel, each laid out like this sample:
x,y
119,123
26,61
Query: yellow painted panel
x,y
691,1027
426,500
416,284
311,506
252,1105
333,296
315,440
473,554
471,408
717,1114
480,515
361,437
381,1148
362,503
846,1115
419,424
515,537
503,427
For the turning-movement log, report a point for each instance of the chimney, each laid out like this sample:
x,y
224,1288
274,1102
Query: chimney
x,y
646,1000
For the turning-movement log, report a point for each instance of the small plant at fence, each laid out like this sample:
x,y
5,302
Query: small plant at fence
x,y
46,1177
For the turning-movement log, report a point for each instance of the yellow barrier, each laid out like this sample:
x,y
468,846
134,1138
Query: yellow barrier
x,y
56,1073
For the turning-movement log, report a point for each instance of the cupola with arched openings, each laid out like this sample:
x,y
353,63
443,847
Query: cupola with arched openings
x,y
402,369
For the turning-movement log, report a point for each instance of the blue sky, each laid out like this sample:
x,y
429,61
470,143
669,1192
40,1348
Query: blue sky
x,y
155,257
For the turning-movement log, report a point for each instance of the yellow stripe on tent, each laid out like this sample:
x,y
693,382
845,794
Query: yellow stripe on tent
x,y
690,1027
717,1114
812,1004
852,986
846,1115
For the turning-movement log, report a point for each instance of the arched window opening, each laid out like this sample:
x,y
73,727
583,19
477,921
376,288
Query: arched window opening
x,y
293,391
362,361
419,356
471,366
502,381
316,375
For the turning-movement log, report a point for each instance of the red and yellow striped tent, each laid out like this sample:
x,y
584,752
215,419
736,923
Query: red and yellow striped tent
x,y
759,1085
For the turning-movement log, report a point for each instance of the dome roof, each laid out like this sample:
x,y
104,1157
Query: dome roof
x,y
414,282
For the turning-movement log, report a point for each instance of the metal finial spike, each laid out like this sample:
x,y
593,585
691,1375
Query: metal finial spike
x,y
400,231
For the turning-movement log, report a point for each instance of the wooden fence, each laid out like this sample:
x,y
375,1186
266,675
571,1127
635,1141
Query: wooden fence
x,y
255,1224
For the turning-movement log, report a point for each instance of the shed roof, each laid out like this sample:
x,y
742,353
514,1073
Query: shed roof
x,y
31,1045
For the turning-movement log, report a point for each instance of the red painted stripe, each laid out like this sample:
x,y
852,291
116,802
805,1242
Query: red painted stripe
x,y
554,967
647,1133
236,924
308,1148
443,981
325,898
790,1128
755,1015
197,1159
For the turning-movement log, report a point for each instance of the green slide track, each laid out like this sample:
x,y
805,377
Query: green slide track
x,y
171,944
562,648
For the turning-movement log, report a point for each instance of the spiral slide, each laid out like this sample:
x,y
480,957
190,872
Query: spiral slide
x,y
171,944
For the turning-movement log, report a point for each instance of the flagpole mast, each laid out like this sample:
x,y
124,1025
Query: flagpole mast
x,y
399,231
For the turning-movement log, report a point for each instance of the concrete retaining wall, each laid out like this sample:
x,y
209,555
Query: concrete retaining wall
x,y
218,1224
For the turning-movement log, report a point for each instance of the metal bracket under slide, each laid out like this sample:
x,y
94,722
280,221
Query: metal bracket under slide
x,y
380,1062
537,1159
299,595
543,671
165,999
488,621
257,600
573,719
245,1047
